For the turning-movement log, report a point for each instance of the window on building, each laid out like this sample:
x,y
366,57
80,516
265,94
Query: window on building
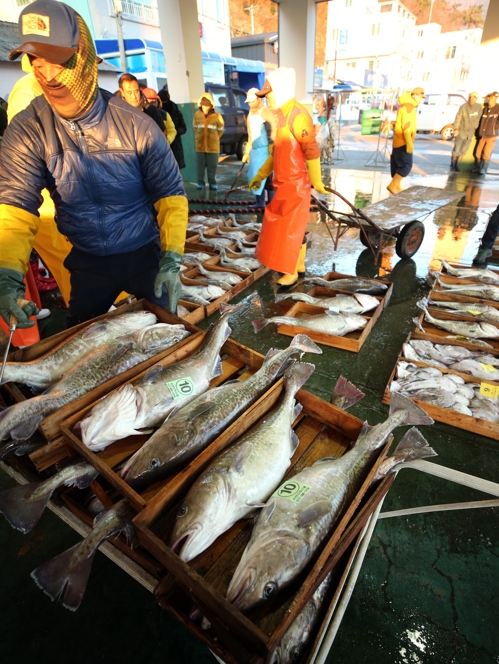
x,y
219,8
348,3
450,53
334,36
352,64
371,65
420,54
375,29
426,76
420,33
463,76
385,8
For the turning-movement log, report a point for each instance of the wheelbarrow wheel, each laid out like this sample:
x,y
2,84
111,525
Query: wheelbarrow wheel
x,y
372,237
409,239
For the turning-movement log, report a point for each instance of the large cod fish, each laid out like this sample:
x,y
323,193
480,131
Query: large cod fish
x,y
330,322
301,513
21,420
242,476
188,431
40,374
162,390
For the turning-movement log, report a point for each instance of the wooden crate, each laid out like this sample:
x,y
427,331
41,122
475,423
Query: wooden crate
x,y
323,430
435,334
49,429
442,294
353,341
237,361
446,415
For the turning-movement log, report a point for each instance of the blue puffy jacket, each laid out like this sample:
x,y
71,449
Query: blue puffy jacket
x,y
104,172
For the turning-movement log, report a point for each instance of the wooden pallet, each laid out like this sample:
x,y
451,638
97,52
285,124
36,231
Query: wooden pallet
x,y
447,415
442,294
354,340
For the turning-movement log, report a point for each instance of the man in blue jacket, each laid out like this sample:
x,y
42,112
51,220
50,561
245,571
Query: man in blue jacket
x,y
117,190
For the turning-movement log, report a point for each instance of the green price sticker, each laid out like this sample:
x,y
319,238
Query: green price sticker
x,y
181,388
293,490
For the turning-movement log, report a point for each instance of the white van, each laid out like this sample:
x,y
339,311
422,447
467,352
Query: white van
x,y
437,112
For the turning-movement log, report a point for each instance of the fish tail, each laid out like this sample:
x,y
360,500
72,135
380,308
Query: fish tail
x,y
20,510
296,376
418,324
305,343
423,304
228,310
21,420
260,323
413,413
345,394
65,576
412,446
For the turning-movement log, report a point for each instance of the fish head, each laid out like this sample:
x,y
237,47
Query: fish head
x,y
293,643
135,320
268,564
207,504
154,460
155,337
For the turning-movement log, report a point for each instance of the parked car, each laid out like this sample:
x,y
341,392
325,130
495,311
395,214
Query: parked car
x,y
231,104
437,112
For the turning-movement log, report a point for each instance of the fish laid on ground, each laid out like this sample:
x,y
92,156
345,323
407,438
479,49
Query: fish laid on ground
x,y
205,221
346,304
47,370
352,284
202,294
21,420
294,642
303,510
247,226
65,577
242,263
474,330
23,505
241,477
481,291
473,273
162,389
475,309
225,277
245,249
212,241
330,322
188,431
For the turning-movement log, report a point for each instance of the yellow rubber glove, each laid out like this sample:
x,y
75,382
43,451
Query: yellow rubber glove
x,y
409,145
245,158
173,213
17,235
264,172
314,173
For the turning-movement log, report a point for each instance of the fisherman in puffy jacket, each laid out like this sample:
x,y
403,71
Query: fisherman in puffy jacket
x,y
117,190
465,124
403,138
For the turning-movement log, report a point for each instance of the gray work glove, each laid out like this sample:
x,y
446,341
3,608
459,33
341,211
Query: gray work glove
x,y
12,289
168,275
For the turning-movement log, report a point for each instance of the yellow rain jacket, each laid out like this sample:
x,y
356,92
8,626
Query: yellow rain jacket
x,y
49,243
171,132
208,129
405,123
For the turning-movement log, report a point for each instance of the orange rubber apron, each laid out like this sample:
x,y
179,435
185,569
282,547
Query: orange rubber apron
x,y
286,217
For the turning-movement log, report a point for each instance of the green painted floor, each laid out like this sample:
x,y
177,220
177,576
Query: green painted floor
x,y
427,591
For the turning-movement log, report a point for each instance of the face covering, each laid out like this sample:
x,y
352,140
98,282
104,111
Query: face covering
x,y
73,91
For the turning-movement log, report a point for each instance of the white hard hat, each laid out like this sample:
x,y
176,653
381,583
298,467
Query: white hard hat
x,y
251,96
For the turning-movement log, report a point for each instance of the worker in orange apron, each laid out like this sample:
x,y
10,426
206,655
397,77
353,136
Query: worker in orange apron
x,y
296,165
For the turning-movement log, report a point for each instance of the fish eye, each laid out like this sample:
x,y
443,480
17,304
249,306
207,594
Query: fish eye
x,y
154,463
269,589
182,511
294,654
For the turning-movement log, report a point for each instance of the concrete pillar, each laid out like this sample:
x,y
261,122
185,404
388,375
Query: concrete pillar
x,y
483,76
297,43
179,27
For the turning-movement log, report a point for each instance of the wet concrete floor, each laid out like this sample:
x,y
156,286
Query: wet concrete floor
x,y
427,591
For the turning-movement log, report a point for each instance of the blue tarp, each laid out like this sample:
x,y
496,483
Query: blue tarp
x,y
241,65
105,46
